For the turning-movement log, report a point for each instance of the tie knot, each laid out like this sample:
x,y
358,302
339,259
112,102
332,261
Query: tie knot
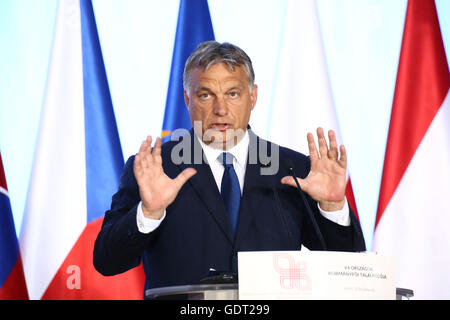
x,y
227,159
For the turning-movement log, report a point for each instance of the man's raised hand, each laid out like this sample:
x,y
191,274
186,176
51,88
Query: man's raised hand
x,y
156,189
326,180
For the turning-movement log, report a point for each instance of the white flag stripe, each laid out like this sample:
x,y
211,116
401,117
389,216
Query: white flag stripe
x,y
4,191
415,225
57,192
303,100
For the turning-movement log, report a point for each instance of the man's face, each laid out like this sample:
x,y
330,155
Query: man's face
x,y
220,99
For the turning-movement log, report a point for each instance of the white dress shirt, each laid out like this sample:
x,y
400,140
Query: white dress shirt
x,y
240,154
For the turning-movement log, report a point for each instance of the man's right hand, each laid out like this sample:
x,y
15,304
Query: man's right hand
x,y
156,189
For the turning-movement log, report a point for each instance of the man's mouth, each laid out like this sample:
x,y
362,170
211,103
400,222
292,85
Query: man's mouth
x,y
220,126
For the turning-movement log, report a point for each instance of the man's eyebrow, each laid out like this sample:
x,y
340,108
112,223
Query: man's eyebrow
x,y
203,89
238,87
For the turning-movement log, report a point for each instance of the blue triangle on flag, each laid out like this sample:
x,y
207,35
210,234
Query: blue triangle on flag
x,y
194,26
9,247
104,158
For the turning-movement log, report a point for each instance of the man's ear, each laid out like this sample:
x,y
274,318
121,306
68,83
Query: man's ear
x,y
254,96
186,99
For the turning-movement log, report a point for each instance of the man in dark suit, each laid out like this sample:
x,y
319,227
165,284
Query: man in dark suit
x,y
187,207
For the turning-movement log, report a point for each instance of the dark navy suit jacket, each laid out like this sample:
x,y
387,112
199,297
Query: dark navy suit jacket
x,y
196,234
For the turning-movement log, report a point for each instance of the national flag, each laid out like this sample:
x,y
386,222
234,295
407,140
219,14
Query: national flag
x,y
303,99
76,168
12,280
413,212
194,26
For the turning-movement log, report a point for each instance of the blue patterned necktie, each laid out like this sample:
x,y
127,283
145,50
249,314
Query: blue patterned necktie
x,y
230,189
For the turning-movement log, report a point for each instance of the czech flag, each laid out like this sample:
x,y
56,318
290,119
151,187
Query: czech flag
x,y
76,169
194,26
12,281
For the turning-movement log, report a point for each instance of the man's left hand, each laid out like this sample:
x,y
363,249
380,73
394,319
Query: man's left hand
x,y
326,180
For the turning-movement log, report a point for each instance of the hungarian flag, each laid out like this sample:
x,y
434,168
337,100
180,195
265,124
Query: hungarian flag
x,y
413,215
76,169
303,100
193,27
12,280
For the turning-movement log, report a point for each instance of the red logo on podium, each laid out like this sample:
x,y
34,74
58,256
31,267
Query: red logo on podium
x,y
292,273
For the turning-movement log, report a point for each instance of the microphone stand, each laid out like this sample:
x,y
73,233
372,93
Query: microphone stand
x,y
290,168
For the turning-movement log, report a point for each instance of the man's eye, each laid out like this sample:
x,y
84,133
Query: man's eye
x,y
234,94
204,95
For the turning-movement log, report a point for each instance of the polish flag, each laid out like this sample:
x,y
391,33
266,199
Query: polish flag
x,y
76,170
303,100
413,215
12,280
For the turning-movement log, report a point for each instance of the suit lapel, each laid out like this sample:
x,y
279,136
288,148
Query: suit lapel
x,y
206,188
257,190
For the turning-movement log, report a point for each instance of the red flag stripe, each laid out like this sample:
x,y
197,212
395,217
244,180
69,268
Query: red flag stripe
x,y
77,278
2,176
422,84
14,288
351,198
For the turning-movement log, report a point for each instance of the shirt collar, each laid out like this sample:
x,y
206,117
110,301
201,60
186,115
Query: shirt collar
x,y
239,151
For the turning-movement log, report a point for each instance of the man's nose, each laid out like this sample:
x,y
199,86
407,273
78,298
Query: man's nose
x,y
220,107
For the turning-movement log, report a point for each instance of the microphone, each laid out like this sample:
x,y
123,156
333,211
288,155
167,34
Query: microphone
x,y
289,166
